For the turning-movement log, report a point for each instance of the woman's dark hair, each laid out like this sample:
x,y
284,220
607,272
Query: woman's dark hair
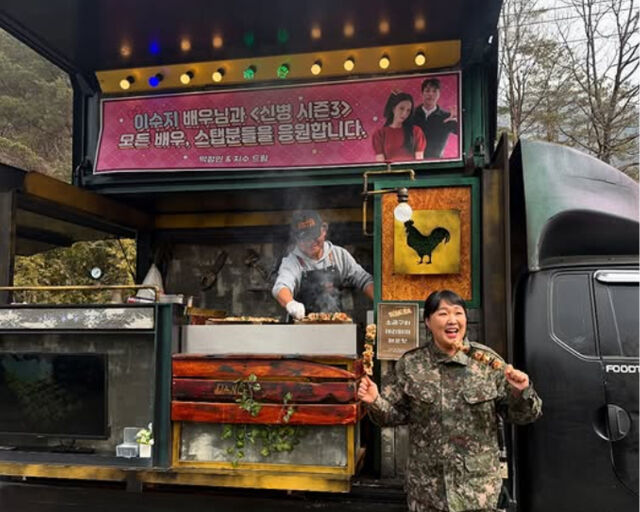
x,y
432,302
407,126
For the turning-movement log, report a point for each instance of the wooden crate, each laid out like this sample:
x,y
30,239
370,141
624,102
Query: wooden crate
x,y
323,396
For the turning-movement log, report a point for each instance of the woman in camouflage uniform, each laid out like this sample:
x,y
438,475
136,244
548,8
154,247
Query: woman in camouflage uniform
x,y
450,402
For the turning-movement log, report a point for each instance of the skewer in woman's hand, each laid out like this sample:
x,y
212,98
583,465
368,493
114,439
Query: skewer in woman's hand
x,y
367,390
480,356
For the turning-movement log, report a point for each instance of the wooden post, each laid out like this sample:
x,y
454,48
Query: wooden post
x,y
7,242
143,255
496,292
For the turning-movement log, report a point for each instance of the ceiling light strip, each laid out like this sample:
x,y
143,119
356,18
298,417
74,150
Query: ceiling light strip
x,y
314,65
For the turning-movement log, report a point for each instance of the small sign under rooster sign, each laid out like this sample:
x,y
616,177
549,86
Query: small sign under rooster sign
x,y
428,243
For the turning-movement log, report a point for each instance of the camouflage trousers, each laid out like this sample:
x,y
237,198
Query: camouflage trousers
x,y
418,507
429,509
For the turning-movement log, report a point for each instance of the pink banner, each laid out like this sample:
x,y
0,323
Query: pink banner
x,y
337,124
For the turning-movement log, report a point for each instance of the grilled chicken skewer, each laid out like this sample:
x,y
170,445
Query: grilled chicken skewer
x,y
480,356
367,355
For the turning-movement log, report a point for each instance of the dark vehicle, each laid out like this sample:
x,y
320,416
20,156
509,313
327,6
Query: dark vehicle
x,y
576,329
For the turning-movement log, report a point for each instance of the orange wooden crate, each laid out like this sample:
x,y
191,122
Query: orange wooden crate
x,y
205,389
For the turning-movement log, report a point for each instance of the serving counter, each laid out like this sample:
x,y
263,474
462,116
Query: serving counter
x,y
268,406
243,405
303,339
73,377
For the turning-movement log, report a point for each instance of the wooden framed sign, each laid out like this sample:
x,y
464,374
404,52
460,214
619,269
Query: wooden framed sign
x,y
397,329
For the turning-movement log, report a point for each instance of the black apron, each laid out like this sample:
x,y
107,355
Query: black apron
x,y
320,289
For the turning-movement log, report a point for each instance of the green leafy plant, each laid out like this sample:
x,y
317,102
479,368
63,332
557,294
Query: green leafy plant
x,y
245,389
268,439
145,435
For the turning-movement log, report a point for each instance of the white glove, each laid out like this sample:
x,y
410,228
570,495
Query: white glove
x,y
296,309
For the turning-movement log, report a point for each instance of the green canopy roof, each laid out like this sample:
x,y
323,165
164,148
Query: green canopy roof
x,y
576,206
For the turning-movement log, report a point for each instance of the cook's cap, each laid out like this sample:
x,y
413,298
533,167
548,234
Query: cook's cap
x,y
306,224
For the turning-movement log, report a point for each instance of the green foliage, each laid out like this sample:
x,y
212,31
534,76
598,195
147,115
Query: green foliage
x,y
145,435
71,266
18,155
244,390
269,439
36,111
35,135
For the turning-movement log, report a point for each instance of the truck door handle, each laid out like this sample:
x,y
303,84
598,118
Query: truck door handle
x,y
618,422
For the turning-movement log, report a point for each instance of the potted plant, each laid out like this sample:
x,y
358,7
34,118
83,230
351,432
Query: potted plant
x,y
144,437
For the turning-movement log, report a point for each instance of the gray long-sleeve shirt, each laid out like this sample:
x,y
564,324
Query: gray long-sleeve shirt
x,y
290,272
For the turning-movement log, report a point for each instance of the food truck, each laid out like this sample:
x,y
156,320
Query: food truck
x,y
198,131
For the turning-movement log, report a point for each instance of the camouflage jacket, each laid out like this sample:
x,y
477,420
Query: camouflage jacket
x,y
450,405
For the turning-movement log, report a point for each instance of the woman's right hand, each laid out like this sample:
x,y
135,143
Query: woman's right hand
x,y
367,390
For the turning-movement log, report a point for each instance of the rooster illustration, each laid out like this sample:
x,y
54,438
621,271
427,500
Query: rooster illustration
x,y
424,245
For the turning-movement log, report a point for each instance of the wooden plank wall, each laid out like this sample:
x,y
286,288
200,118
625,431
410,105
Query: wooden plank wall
x,y
205,389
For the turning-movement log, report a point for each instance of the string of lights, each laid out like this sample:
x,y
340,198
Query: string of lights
x,y
363,61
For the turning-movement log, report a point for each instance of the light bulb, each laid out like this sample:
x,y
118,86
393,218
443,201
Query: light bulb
x,y
217,41
348,30
349,64
283,71
402,212
155,80
217,75
316,68
186,77
249,73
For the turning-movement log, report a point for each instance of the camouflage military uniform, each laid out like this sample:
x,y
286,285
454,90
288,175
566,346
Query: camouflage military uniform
x,y
450,404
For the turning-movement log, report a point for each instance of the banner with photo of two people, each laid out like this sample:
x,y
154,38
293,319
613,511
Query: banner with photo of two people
x,y
337,124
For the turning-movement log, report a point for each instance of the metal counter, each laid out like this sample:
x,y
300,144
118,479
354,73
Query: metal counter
x,y
290,339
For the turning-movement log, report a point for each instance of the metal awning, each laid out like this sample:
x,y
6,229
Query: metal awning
x,y
84,36
576,206
50,213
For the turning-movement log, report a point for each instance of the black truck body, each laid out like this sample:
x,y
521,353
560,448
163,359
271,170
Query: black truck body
x,y
575,320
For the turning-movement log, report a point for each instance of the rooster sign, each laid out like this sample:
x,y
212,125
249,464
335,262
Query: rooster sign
x,y
428,243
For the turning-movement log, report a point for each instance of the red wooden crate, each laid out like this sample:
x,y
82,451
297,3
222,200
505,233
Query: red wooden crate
x,y
270,414
205,389
208,390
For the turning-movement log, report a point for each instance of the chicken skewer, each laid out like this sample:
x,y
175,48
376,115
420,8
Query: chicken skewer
x,y
474,353
517,379
480,356
367,355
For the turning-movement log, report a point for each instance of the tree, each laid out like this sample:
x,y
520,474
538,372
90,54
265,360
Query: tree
x,y
71,266
602,63
529,69
35,135
35,108
567,75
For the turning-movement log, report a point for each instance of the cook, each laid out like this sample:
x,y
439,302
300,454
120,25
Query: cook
x,y
311,277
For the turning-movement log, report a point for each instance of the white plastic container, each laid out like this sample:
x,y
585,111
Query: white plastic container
x,y
144,450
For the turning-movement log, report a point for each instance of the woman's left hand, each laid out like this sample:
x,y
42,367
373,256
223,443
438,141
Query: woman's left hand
x,y
518,380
